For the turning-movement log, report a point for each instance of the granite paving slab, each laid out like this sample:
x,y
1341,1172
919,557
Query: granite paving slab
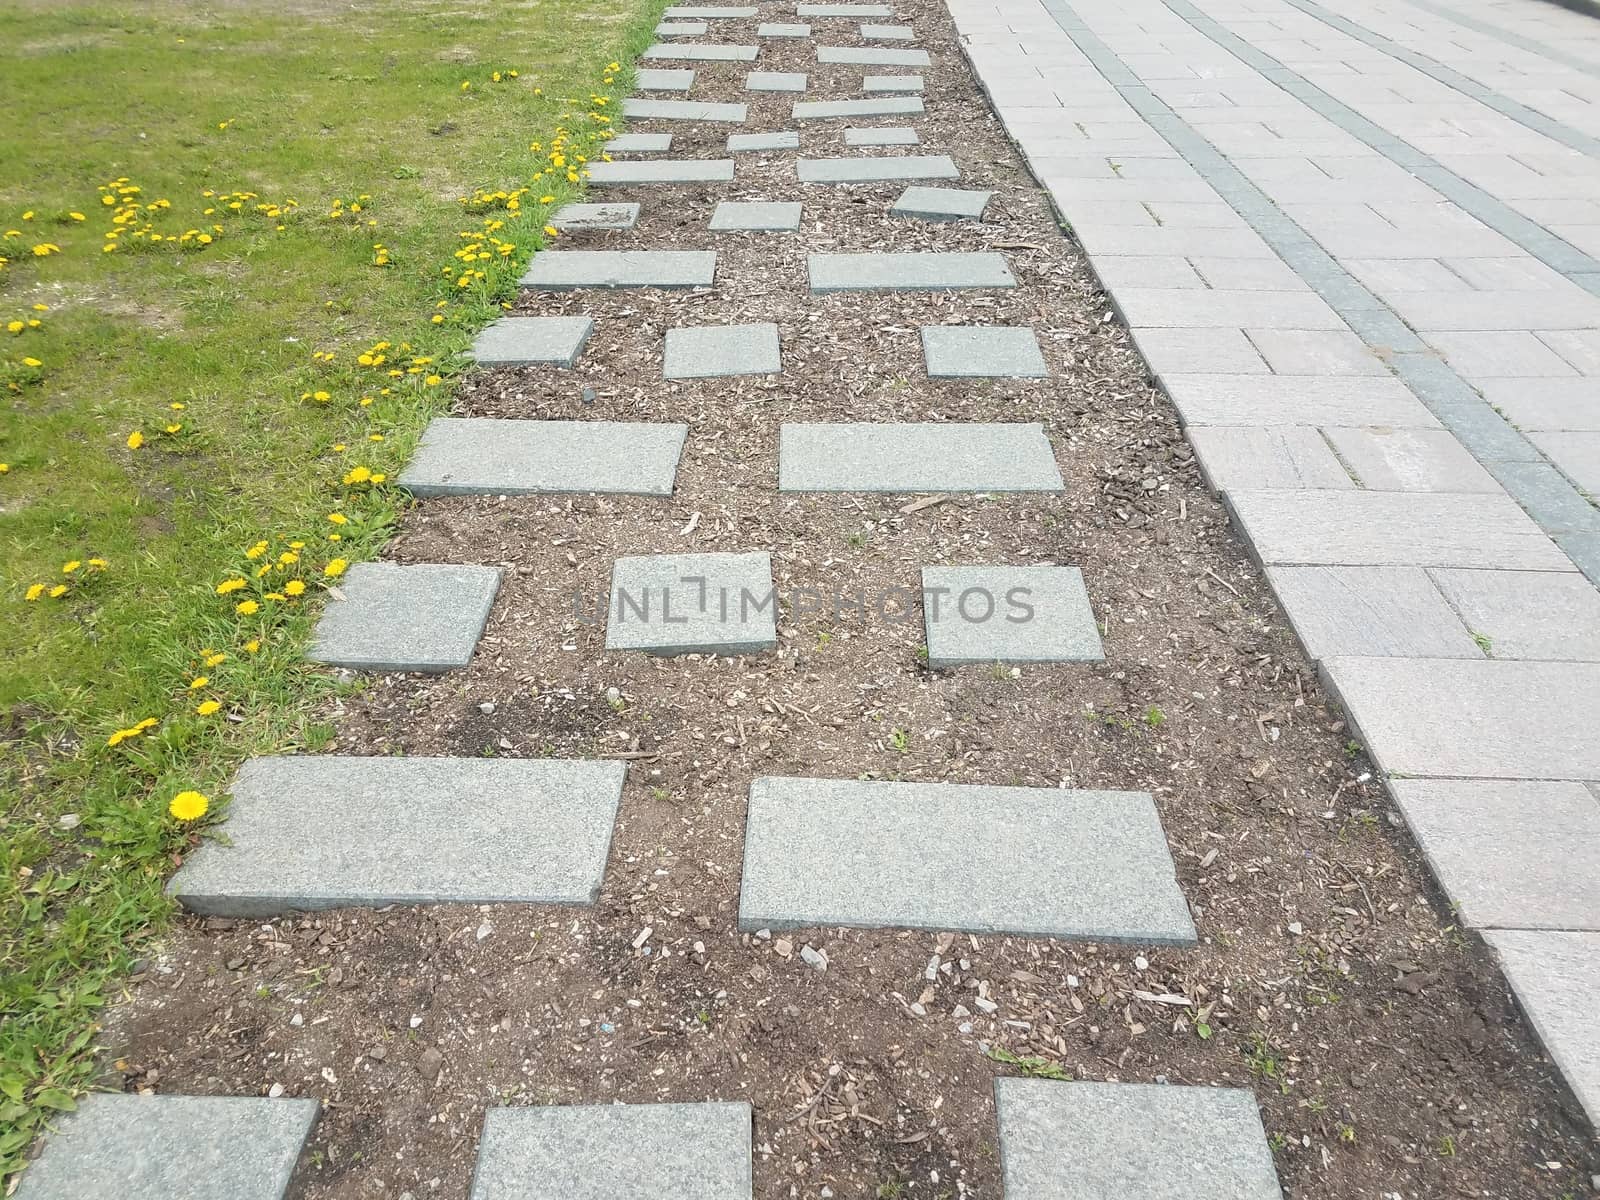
x,y
884,135
873,56
660,171
1067,1140
564,270
1409,460
123,1146
701,52
682,29
462,456
888,33
917,272
779,29
1510,854
315,832
1235,458
515,341
744,143
1527,614
987,614
650,79
639,143
692,604
876,168
775,81
916,458
891,83
824,852
1261,400
982,352
424,617
711,351
711,12
578,217
1371,612
887,106
941,204
755,215
615,1152
1556,976
683,110
857,11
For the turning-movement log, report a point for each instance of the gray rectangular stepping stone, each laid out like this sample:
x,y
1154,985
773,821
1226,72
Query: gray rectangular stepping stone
x,y
857,11
683,110
1106,1141
1371,611
718,350
982,352
701,52
615,1152
916,458
321,831
426,617
1008,614
891,83
876,169
941,204
692,604
639,143
513,341
682,29
1043,862
886,135
122,1146
739,143
710,12
925,272
888,106
780,216
578,217
1555,977
649,79
778,29
872,56
888,33
563,270
775,81
461,456
661,170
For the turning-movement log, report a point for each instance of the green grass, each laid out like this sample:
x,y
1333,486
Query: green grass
x,y
297,108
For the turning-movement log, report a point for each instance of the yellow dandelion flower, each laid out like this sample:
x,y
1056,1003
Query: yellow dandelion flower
x,y
230,585
216,660
256,551
32,362
252,646
247,608
335,568
294,587
35,592
58,591
67,568
208,707
199,681
189,806
135,440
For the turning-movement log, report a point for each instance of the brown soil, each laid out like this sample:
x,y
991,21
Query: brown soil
x,y
1379,1040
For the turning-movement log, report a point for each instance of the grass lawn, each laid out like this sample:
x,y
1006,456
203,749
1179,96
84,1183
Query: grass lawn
x,y
200,421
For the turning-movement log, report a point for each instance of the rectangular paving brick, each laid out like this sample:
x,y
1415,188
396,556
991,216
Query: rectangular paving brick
x,y
1556,977
711,12
873,56
1510,854
462,456
1409,460
1168,351
1008,614
717,350
692,604
926,272
563,270
615,1152
857,11
424,617
1109,1141
515,341
941,204
743,143
1476,719
578,217
982,352
887,106
639,143
683,110
1187,308
682,29
951,857
755,215
779,29
775,81
876,168
916,458
1207,399
1370,611
648,79
322,831
1278,456
883,135
888,33
1527,614
122,1146
701,52
661,171
892,83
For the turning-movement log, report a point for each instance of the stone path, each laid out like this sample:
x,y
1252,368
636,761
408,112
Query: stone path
x,y
1360,250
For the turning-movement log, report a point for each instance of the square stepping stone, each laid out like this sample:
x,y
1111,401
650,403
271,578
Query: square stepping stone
x,y
701,52
692,604
648,79
121,1146
955,857
941,204
426,617
1095,1141
710,12
1556,976
843,10
775,81
777,29
639,143
713,351
873,56
755,215
682,29
322,831
982,352
516,341
924,272
826,110
891,83
578,217
564,270
1008,614
462,456
661,170
876,169
886,135
888,33
740,143
615,1152
916,458
683,110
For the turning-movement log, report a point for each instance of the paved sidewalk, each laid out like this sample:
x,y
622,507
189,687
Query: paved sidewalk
x,y
1360,249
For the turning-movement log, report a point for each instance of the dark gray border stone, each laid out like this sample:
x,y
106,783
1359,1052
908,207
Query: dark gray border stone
x,y
692,604
932,271
464,456
1008,615
519,341
982,352
422,617
898,458
713,351
565,270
